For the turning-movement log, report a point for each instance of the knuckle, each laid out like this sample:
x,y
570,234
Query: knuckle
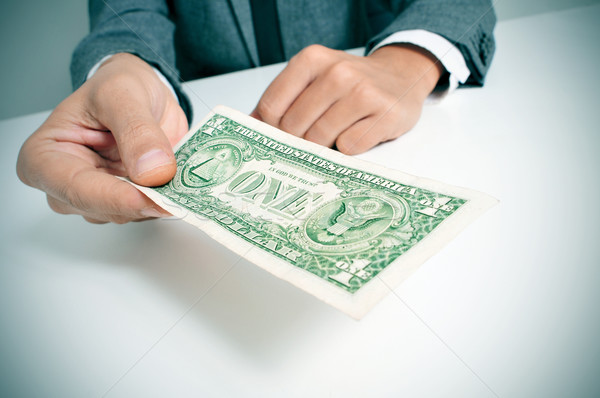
x,y
343,72
344,145
323,127
320,134
316,131
93,220
287,124
266,111
115,219
56,205
74,193
312,53
137,129
70,194
75,199
367,93
31,168
354,144
23,171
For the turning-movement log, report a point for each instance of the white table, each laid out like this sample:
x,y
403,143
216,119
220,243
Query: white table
x,y
509,308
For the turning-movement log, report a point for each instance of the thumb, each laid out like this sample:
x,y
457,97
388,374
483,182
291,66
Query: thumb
x,y
146,152
143,146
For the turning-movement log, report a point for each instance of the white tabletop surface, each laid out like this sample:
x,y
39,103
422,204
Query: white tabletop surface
x,y
509,308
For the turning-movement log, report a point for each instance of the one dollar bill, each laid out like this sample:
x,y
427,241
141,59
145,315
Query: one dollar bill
x,y
342,229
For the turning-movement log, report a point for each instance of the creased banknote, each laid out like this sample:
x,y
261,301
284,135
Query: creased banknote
x,y
337,227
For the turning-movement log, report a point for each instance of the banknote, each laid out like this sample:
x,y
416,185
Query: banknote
x,y
342,229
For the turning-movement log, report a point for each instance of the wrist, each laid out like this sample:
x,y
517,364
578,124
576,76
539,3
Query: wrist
x,y
413,63
132,59
121,58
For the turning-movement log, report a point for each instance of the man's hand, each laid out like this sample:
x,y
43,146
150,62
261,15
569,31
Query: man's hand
x,y
123,121
334,98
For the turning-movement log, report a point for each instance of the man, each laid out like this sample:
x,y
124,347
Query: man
x,y
128,109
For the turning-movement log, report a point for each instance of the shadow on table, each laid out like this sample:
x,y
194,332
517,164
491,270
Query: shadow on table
x,y
246,306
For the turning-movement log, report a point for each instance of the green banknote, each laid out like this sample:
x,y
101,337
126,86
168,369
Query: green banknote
x,y
337,227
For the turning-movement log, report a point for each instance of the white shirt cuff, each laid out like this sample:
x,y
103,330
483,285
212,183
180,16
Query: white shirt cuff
x,y
449,56
161,77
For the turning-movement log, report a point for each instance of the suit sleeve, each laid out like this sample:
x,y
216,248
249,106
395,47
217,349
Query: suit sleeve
x,y
140,27
468,24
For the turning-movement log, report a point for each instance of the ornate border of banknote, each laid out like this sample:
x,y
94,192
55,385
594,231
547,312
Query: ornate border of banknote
x,y
342,229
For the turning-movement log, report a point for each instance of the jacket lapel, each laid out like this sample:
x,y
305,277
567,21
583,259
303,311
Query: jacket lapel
x,y
291,12
241,9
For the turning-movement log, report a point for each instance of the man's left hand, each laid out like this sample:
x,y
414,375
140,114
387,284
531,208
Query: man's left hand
x,y
334,98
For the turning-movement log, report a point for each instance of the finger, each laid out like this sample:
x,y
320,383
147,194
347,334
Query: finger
x,y
145,150
94,220
287,86
362,136
338,118
255,115
328,88
92,192
62,207
110,198
59,206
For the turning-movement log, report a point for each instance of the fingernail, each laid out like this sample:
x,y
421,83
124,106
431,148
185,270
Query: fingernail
x,y
151,160
151,212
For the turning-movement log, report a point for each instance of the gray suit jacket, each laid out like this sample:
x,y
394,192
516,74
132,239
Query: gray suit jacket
x,y
188,39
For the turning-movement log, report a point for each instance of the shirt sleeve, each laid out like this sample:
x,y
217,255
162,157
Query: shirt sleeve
x,y
161,77
446,53
469,26
145,28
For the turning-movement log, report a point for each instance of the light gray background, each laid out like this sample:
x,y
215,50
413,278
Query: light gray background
x,y
38,37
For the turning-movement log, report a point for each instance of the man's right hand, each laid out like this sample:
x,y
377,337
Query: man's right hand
x,y
123,121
